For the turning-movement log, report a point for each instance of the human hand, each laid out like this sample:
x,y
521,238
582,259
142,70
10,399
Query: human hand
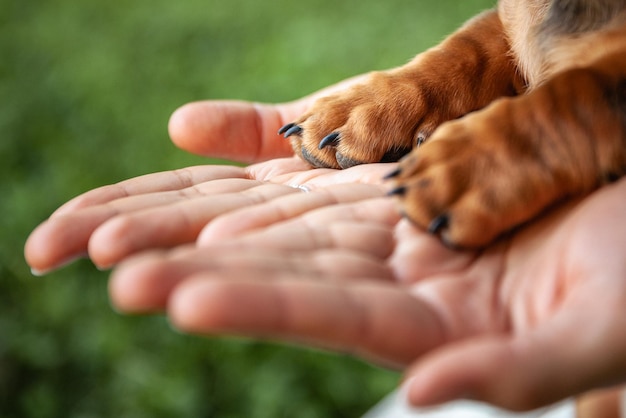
x,y
538,317
168,209
163,210
241,131
417,313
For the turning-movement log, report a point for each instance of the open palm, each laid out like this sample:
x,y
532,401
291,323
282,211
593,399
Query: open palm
x,y
537,317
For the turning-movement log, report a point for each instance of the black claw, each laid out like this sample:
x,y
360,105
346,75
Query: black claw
x,y
421,138
439,223
295,130
332,139
611,177
286,128
398,191
394,155
393,174
290,129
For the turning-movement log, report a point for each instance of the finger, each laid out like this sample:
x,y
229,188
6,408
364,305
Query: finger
x,y
373,320
313,179
349,235
157,182
229,129
348,226
420,255
54,244
65,237
572,354
240,131
143,283
288,207
171,225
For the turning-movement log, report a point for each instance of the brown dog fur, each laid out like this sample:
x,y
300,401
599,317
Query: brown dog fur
x,y
521,107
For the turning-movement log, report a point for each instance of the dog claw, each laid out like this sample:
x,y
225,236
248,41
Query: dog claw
x,y
286,128
398,191
421,138
393,174
289,129
394,155
439,223
293,131
332,139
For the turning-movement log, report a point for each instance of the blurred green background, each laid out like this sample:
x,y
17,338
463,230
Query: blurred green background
x,y
86,89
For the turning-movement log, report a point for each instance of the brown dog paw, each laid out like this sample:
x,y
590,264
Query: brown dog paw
x,y
378,121
468,185
494,169
394,111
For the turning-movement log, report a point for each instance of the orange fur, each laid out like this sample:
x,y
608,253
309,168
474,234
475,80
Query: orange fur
x,y
522,106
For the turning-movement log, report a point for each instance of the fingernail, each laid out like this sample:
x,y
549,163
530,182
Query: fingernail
x,y
103,267
42,272
39,273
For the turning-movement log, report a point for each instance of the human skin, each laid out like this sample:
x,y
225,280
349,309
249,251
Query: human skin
x,y
537,317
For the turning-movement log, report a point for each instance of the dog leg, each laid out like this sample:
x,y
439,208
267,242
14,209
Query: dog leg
x,y
393,111
485,173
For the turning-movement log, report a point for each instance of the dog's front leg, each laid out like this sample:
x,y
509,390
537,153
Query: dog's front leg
x,y
393,111
494,169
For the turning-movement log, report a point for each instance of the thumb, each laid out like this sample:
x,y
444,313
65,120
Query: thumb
x,y
236,130
524,372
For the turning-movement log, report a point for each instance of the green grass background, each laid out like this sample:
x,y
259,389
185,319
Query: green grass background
x,y
86,89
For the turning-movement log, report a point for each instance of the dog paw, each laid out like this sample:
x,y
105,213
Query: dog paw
x,y
378,121
469,189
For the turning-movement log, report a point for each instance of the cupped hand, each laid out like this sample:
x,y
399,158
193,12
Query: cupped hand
x,y
538,317
167,209
535,318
